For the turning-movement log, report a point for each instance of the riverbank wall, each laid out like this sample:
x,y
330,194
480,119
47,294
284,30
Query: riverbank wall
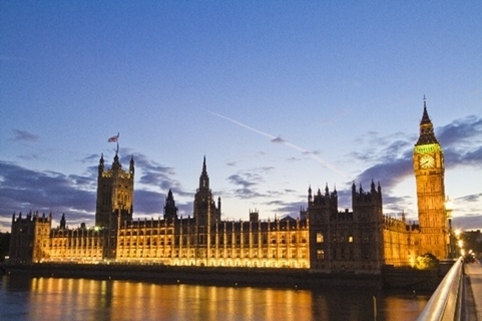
x,y
256,277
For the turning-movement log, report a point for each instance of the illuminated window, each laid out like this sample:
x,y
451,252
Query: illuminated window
x,y
320,254
319,237
350,239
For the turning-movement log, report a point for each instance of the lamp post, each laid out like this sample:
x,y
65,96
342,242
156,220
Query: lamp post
x,y
448,210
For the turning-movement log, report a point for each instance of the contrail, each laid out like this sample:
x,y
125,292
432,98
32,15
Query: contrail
x,y
276,139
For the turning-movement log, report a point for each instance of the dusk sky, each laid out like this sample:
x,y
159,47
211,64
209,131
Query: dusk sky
x,y
278,95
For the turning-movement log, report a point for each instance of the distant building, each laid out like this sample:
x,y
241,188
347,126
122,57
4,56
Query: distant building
x,y
322,239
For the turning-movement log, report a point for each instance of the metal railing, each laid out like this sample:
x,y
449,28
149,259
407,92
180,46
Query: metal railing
x,y
445,302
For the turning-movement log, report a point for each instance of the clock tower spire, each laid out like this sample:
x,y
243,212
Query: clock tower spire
x,y
429,168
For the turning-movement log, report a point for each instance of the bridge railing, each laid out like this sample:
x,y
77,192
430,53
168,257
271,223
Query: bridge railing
x,y
446,302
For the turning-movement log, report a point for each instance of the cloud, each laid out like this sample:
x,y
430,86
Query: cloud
x,y
469,198
389,173
247,182
238,180
461,132
391,161
148,202
278,140
288,208
467,222
23,136
153,174
462,142
22,190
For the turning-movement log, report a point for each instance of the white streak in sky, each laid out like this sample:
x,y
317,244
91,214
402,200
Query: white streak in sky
x,y
275,139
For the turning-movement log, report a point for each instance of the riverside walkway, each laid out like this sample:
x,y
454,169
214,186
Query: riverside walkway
x,y
472,310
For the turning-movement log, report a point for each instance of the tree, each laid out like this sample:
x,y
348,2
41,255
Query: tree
x,y
426,261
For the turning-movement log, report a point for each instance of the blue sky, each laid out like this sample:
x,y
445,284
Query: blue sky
x,y
278,95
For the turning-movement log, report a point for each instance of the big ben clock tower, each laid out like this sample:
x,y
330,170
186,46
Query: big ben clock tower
x,y
428,164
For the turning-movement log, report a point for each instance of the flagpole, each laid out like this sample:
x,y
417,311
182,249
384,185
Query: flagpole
x,y
115,139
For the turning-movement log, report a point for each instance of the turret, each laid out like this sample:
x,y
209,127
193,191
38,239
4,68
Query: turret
x,y
204,178
170,209
131,165
101,164
62,222
115,164
219,204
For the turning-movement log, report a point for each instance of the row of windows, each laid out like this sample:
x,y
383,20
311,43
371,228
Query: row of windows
x,y
150,232
77,242
341,254
187,231
202,240
321,239
86,253
214,254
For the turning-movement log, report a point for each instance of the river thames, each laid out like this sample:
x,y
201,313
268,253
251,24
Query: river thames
x,y
29,298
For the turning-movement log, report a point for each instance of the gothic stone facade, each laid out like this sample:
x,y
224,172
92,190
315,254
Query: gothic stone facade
x,y
322,239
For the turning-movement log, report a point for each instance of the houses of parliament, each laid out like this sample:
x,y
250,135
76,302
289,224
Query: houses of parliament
x,y
321,239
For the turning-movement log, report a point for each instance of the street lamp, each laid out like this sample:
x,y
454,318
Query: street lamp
x,y
448,210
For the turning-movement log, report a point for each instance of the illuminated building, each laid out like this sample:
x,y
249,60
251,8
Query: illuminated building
x,y
322,239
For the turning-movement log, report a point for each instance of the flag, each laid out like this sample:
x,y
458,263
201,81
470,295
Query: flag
x,y
113,139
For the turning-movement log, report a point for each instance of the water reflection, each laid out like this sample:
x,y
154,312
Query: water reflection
x,y
83,299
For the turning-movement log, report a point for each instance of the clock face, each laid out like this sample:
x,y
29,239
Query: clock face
x,y
427,161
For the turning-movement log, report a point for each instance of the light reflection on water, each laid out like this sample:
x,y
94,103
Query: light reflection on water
x,y
24,298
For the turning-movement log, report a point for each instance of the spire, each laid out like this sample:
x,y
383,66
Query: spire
x,y
425,117
170,209
131,165
204,178
101,164
62,221
170,198
427,135
116,164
